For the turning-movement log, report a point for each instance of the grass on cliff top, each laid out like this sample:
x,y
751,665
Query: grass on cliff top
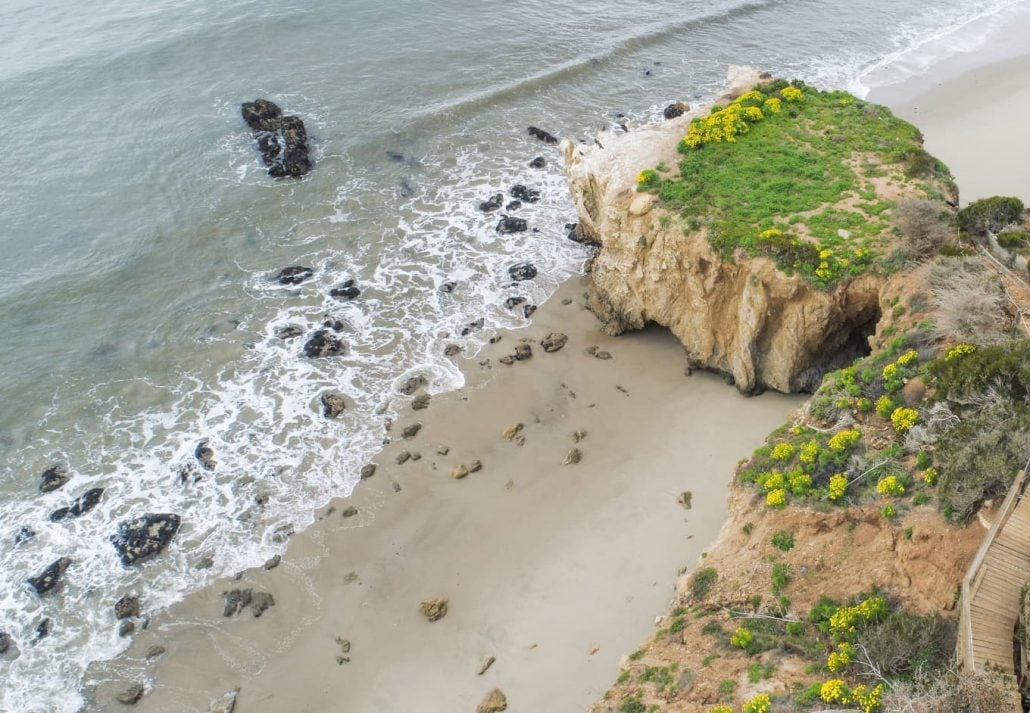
x,y
797,180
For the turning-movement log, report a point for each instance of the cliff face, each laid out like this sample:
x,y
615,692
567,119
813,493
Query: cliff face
x,y
740,316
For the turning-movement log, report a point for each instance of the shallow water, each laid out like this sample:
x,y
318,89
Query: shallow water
x,y
141,236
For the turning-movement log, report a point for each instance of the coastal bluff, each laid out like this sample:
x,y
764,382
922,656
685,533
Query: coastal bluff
x,y
735,312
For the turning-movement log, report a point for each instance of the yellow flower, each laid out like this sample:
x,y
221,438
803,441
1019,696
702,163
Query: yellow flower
x,y
930,476
890,486
759,704
800,483
838,486
773,480
782,451
753,96
825,254
772,106
890,371
753,113
809,452
776,498
959,350
840,658
904,418
792,94
833,691
843,440
720,709
908,357
868,699
741,638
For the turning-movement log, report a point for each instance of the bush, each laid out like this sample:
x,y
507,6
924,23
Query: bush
x,y
783,541
925,226
969,304
990,215
952,691
904,644
702,582
967,371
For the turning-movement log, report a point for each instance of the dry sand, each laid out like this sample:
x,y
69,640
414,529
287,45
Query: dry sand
x,y
556,570
973,122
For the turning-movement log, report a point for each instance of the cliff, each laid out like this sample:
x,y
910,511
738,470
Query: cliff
x,y
749,291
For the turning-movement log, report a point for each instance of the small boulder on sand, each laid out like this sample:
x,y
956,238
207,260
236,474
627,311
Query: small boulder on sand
x,y
572,457
553,342
460,471
494,702
433,609
131,695
511,432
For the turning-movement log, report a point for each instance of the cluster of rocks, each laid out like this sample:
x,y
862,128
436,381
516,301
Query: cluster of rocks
x,y
282,140
238,600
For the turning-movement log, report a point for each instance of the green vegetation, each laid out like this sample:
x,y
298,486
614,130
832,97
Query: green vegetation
x,y
701,583
990,215
783,541
787,171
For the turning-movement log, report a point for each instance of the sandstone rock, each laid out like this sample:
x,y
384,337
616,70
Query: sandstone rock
x,y
282,140
524,194
294,275
675,110
475,466
641,204
512,431
493,702
324,344
347,291
553,342
572,457
507,225
603,355
686,499
522,272
333,404
261,602
544,136
368,470
538,162
485,665
433,609
50,577
53,478
80,506
493,203
127,606
523,351
411,431
420,402
131,695
460,471
145,536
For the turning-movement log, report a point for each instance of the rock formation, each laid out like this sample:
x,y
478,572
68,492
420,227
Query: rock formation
x,y
282,140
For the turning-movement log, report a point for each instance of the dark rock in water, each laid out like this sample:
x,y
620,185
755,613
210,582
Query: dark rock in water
x,y
145,536
294,275
126,628
448,287
412,384
334,324
127,606
349,511
577,236
513,302
44,628
674,110
155,651
323,344
507,225
6,642
513,205
523,351
420,402
236,600
368,470
205,455
524,194
495,202
542,135
288,332
333,404
553,342
272,562
528,311
348,290
521,272
472,327
451,350
80,506
538,162
24,534
407,191
49,577
283,140
131,695
53,478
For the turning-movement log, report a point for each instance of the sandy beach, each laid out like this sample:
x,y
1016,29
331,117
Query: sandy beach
x,y
556,570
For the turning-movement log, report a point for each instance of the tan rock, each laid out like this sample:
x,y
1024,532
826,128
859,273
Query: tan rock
x,y
433,609
494,702
487,663
511,432
572,457
460,471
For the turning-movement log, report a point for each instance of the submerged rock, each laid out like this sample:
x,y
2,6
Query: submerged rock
x,y
528,310
494,203
368,470
538,162
294,275
131,695
145,536
53,478
507,225
513,302
544,136
347,291
127,606
675,110
522,272
289,331
282,140
6,642
224,704
420,402
333,404
553,342
205,455
80,506
49,577
472,327
524,194
44,628
324,344
412,384
433,609
24,534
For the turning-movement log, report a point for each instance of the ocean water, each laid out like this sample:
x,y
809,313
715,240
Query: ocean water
x,y
140,238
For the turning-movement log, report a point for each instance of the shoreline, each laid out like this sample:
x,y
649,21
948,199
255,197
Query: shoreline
x,y
556,570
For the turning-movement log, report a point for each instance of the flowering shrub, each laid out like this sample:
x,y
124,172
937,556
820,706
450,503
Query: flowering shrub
x,y
759,704
843,440
890,371
742,637
776,498
800,483
772,105
753,114
868,699
884,406
782,451
809,452
647,179
721,125
930,476
773,480
959,350
908,357
838,486
864,405
792,94
844,621
841,658
720,709
903,419
890,486
834,691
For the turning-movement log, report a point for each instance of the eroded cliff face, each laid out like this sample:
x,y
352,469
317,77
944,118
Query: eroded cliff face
x,y
742,317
